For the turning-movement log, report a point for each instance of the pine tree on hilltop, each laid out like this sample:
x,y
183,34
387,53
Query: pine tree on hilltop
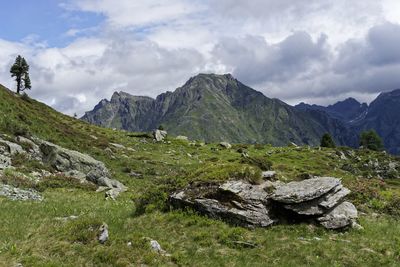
x,y
327,141
20,71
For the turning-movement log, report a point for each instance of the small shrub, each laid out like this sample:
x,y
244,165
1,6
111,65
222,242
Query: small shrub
x,y
327,141
250,174
154,199
261,162
83,230
16,128
60,181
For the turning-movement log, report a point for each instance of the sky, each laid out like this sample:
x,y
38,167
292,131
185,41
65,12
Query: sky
x,y
313,51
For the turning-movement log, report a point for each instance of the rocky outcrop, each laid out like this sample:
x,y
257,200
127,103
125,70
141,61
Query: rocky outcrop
x,y
318,199
236,202
68,162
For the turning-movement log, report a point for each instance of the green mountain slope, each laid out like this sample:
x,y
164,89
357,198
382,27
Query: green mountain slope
x,y
218,108
45,234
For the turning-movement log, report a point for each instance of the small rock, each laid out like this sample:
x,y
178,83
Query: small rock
x,y
156,247
159,135
5,162
268,174
103,235
182,138
225,145
119,146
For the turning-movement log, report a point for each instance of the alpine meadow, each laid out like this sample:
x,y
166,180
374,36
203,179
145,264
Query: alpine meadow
x,y
199,133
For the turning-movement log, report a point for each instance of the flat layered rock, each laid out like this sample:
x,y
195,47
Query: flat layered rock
x,y
341,216
322,204
298,192
14,193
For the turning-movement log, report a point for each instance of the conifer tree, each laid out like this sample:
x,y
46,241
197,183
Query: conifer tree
x,y
20,71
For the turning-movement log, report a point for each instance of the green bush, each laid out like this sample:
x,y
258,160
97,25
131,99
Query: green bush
x,y
327,141
154,199
261,162
371,140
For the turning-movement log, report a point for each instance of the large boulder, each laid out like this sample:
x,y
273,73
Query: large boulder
x,y
319,199
236,202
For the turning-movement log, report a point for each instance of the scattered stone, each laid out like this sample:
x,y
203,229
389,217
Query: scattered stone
x,y
225,145
94,137
292,144
340,217
156,247
103,235
14,193
268,174
159,135
183,138
119,146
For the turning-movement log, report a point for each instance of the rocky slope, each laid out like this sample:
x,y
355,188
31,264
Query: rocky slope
x,y
219,108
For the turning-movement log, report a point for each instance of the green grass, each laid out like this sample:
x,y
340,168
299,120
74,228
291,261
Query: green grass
x,y
31,234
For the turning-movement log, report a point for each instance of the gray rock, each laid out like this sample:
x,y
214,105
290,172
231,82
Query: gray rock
x,y
159,135
235,202
322,204
156,247
298,192
119,146
5,162
225,145
13,148
103,233
268,174
14,193
341,216
34,151
183,138
113,193
67,161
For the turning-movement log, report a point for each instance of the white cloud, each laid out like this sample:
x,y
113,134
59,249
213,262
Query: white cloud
x,y
314,51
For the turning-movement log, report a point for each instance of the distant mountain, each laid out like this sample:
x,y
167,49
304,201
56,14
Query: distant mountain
x,y
349,111
383,115
218,107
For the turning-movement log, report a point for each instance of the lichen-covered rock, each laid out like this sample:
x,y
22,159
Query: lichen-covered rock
x,y
341,216
322,204
298,192
236,202
14,193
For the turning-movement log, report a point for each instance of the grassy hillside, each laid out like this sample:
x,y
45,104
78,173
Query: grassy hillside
x,y
31,233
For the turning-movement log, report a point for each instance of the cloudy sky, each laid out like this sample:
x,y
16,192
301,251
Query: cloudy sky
x,y
316,51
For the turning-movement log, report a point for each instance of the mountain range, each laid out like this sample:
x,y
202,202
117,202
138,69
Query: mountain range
x,y
214,108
